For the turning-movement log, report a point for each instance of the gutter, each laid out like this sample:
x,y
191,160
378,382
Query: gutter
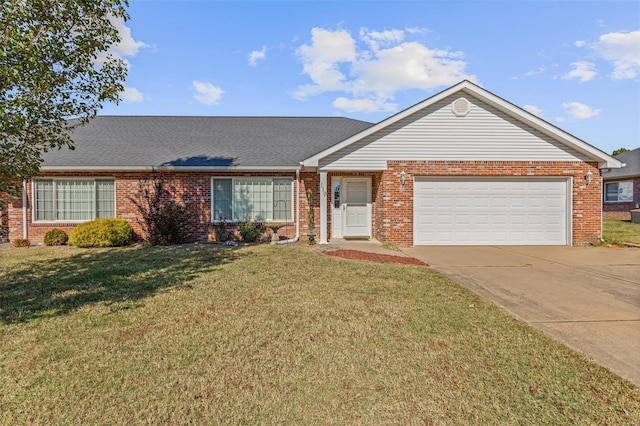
x,y
170,168
297,237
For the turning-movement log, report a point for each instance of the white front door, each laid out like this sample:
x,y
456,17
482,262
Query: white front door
x,y
356,207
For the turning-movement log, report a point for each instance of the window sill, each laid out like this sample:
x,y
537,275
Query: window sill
x,y
238,222
58,223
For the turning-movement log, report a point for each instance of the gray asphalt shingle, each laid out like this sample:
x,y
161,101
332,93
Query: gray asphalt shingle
x,y
202,141
632,159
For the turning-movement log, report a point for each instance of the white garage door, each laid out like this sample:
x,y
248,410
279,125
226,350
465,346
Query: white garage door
x,y
492,211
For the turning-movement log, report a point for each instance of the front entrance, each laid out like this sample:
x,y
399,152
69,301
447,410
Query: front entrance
x,y
351,207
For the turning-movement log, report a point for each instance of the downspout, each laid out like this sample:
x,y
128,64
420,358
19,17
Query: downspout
x,y
25,229
297,237
601,204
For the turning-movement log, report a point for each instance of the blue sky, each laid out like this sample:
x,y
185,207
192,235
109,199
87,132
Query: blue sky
x,y
574,63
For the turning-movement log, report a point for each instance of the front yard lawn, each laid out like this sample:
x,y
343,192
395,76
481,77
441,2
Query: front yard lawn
x,y
275,335
620,231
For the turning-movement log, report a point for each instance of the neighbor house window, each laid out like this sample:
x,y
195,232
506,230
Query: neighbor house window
x,y
252,198
620,192
73,200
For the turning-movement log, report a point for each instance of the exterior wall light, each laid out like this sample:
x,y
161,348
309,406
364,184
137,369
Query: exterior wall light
x,y
403,177
588,177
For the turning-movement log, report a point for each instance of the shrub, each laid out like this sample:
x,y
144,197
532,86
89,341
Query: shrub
x,y
55,237
21,242
221,231
163,221
250,231
171,225
101,233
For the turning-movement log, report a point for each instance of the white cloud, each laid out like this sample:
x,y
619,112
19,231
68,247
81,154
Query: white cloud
x,y
560,119
580,43
540,70
622,49
376,39
131,94
583,71
363,105
374,68
530,73
533,110
417,30
257,55
321,60
580,111
409,65
127,45
207,93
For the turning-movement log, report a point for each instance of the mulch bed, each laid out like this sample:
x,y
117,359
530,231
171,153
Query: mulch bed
x,y
374,257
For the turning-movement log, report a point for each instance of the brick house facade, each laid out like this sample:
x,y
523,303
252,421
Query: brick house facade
x,y
628,176
363,177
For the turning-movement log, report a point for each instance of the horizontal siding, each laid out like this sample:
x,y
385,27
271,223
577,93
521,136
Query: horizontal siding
x,y
435,133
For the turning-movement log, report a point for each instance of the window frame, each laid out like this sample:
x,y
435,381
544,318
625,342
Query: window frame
x,y
34,200
617,200
233,179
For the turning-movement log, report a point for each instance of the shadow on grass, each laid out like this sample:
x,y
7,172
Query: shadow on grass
x,y
50,286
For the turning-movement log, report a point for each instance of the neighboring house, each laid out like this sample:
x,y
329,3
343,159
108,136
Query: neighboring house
x,y
622,186
463,167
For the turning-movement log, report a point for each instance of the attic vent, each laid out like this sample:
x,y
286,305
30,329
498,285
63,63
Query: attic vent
x,y
460,107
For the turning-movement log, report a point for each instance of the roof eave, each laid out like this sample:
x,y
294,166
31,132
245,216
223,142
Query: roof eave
x,y
169,168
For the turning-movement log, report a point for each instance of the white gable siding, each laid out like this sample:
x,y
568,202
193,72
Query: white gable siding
x,y
435,133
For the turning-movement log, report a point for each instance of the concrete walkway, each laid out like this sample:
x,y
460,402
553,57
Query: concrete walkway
x,y
368,245
586,297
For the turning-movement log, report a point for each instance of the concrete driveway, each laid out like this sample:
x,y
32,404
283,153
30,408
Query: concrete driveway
x,y
586,297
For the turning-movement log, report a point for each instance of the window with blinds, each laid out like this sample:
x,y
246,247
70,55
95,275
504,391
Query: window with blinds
x,y
618,192
73,200
252,198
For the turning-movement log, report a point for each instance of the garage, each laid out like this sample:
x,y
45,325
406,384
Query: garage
x,y
491,211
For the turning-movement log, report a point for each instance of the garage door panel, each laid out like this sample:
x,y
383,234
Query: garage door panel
x,y
501,211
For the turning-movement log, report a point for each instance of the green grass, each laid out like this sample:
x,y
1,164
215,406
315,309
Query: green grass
x,y
620,231
275,335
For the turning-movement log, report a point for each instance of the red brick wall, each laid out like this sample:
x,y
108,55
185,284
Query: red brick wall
x,y
191,189
392,205
311,181
4,217
621,210
397,202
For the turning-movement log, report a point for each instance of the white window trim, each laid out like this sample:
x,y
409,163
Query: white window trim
x,y
231,221
604,195
94,179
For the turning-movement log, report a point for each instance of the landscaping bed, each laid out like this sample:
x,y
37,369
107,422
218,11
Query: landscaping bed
x,y
374,257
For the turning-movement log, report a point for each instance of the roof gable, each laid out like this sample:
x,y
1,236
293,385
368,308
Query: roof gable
x,y
466,88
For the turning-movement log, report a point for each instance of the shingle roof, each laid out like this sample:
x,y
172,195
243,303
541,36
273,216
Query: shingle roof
x,y
126,141
632,158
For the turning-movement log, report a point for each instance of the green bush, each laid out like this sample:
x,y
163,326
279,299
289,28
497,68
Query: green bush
x,y
170,226
101,233
21,242
250,231
55,237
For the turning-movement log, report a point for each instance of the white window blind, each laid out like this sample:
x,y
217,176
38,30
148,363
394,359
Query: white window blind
x,y
252,198
73,200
